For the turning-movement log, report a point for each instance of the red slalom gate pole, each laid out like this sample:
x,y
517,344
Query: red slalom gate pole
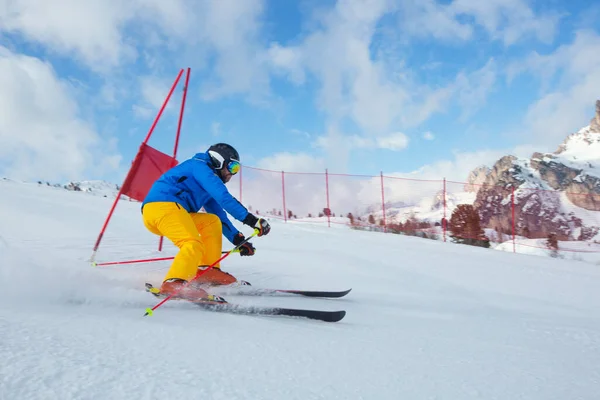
x,y
444,220
178,134
327,193
512,201
283,195
114,205
150,311
383,202
147,260
133,261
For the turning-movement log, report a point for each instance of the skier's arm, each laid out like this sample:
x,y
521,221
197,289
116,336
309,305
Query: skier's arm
x,y
217,190
229,231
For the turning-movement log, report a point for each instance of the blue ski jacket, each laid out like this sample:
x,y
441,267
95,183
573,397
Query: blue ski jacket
x,y
194,184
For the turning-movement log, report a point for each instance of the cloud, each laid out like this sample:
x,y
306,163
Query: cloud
x,y
105,35
215,128
304,183
473,89
395,141
292,162
300,133
365,83
458,167
287,60
41,133
508,21
88,30
352,84
154,91
231,29
428,135
429,18
112,38
570,80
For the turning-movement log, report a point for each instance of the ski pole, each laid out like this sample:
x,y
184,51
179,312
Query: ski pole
x,y
232,251
149,311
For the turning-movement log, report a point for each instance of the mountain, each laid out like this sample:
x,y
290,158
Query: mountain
x,y
552,191
477,177
557,192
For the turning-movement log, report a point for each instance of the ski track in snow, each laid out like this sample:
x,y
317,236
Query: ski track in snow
x,y
426,319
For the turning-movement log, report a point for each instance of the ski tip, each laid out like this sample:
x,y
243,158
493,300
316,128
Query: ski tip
x,y
337,316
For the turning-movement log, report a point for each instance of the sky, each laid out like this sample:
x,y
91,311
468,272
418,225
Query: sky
x,y
427,89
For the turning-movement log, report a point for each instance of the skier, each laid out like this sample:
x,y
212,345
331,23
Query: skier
x,y
171,209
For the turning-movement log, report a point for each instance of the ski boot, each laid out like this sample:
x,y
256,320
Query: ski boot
x,y
180,289
216,277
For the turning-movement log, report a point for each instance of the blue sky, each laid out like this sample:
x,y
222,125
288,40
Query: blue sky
x,y
428,88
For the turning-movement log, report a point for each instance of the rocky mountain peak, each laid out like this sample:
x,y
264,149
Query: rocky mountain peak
x,y
539,182
477,178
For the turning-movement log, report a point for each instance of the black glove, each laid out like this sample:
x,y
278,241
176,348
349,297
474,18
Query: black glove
x,y
246,249
258,223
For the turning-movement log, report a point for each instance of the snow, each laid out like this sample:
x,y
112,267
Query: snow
x,y
590,218
425,209
586,251
581,152
426,319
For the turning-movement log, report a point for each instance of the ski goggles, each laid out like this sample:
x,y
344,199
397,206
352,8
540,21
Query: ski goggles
x,y
233,166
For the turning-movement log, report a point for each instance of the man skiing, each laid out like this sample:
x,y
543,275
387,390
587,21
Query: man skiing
x,y
171,209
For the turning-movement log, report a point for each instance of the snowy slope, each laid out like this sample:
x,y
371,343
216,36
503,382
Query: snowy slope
x,y
426,319
581,151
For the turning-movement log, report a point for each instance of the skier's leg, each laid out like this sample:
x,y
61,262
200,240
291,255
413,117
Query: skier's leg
x,y
211,233
175,223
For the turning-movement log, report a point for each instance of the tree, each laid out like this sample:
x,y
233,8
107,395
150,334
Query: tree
x,y
371,219
552,244
499,235
327,212
410,226
465,226
290,214
351,218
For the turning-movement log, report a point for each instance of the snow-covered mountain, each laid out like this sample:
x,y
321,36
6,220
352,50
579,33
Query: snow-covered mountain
x,y
554,192
95,187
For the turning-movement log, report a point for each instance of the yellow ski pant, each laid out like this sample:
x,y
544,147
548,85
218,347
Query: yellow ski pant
x,y
197,235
